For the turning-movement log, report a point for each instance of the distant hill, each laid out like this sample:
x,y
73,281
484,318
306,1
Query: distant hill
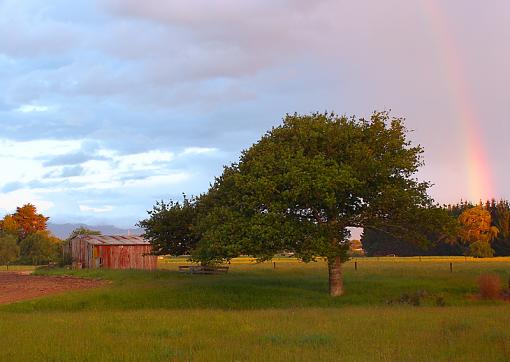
x,y
62,231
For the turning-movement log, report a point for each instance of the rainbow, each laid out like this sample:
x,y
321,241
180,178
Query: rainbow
x,y
477,164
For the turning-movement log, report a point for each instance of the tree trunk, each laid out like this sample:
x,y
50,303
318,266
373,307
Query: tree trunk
x,y
336,283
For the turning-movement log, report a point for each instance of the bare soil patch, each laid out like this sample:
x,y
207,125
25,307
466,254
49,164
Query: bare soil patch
x,y
16,286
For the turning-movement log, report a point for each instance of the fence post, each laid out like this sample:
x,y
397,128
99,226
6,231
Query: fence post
x,y
355,265
451,267
274,264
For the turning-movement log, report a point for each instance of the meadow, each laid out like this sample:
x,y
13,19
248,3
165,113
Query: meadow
x,y
406,309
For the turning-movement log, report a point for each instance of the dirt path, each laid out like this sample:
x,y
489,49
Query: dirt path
x,y
16,286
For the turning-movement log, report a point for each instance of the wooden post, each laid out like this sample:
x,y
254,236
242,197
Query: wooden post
x,y
274,264
355,265
451,267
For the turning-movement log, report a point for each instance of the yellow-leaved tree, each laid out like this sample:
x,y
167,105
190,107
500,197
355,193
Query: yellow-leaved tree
x,y
477,231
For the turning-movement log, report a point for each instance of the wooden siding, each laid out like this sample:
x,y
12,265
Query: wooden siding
x,y
112,256
124,256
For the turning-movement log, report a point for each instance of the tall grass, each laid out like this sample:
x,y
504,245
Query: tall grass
x,y
17,268
259,313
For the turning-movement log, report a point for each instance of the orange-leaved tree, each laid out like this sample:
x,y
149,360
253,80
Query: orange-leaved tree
x,y
9,226
477,231
26,220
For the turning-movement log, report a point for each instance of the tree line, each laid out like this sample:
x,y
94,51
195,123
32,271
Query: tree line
x,y
480,230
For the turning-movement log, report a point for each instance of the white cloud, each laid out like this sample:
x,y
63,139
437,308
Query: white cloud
x,y
22,159
144,160
29,108
106,208
37,148
10,200
198,150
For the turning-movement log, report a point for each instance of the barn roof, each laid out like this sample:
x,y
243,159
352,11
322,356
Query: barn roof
x,y
114,240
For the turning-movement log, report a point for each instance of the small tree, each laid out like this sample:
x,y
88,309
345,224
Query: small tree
x,y
39,248
480,249
82,231
356,248
169,227
9,249
477,232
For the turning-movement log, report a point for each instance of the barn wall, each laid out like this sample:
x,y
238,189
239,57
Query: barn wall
x,y
113,256
124,257
80,251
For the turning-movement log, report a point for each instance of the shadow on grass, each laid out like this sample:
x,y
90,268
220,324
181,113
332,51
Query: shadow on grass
x,y
239,290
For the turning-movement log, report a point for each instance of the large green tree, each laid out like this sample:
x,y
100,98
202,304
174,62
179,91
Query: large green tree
x,y
301,187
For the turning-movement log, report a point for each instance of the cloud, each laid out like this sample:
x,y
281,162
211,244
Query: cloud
x,y
120,103
106,208
71,171
12,186
10,200
198,150
28,108
73,159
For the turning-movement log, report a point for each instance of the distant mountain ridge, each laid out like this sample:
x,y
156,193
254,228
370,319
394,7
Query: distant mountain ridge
x,y
63,231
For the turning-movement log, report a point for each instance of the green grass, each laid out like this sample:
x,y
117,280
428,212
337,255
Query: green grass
x,y
259,313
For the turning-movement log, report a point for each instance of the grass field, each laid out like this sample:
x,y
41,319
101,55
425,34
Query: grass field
x,y
17,268
259,313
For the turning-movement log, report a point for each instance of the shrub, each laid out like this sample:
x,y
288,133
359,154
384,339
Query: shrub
x,y
490,286
481,249
9,249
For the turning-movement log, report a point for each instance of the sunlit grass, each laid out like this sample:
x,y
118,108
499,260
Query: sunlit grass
x,y
259,312
17,267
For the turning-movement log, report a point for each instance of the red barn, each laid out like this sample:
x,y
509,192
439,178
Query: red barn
x,y
112,252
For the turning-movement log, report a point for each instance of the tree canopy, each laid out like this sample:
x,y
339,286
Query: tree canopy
x,y
9,249
26,220
305,182
169,227
476,230
40,247
82,231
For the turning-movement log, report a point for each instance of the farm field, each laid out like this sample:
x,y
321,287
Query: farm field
x,y
18,285
259,313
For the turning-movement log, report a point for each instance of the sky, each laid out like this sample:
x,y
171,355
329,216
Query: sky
x,y
107,106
